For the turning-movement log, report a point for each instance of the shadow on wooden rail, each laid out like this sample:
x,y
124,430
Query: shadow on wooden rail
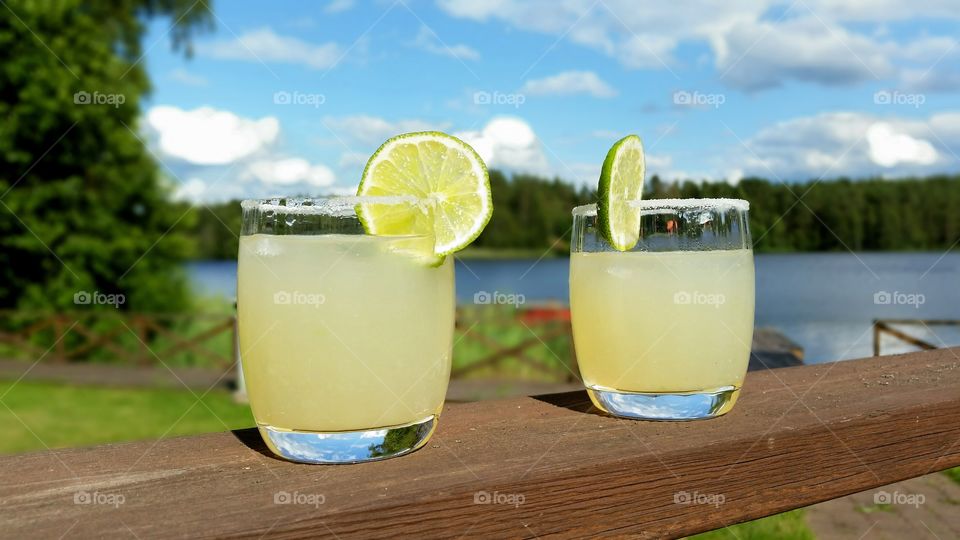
x,y
523,467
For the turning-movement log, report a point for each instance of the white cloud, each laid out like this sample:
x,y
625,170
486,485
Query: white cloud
x,y
761,55
931,80
758,43
373,130
430,42
851,144
206,136
883,10
288,171
223,155
190,79
264,45
734,176
510,143
657,163
570,82
889,148
338,6
193,189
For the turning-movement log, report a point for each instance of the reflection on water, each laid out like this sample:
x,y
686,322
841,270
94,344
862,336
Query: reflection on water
x,y
823,301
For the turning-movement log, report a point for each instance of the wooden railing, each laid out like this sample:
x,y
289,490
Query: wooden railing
x,y
527,467
888,327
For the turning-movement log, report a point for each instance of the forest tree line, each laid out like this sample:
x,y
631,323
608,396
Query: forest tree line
x,y
531,212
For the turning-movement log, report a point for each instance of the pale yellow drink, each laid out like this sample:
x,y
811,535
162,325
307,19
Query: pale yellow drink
x,y
662,322
343,332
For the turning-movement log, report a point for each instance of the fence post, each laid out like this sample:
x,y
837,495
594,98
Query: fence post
x,y
876,337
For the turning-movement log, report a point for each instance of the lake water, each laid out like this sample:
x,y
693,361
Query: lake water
x,y
823,301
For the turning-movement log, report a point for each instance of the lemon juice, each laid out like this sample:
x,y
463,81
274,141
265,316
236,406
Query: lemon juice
x,y
662,322
346,304
661,296
343,332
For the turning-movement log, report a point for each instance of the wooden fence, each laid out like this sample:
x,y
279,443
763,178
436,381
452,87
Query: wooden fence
x,y
533,342
128,338
210,340
888,327
527,467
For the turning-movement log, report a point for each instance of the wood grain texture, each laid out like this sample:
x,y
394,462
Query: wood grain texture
x,y
553,468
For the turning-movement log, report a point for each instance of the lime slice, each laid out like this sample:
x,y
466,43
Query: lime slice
x,y
621,181
445,177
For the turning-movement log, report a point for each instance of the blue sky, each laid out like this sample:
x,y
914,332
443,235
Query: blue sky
x,y
292,98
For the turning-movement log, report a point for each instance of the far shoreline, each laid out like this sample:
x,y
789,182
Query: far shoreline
x,y
494,254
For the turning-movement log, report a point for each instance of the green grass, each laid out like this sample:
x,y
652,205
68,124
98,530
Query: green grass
x,y
39,415
871,508
953,474
786,526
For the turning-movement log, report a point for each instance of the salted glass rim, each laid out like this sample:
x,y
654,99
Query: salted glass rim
x,y
331,206
670,204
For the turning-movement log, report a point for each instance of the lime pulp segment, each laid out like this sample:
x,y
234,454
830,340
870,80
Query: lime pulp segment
x,y
446,177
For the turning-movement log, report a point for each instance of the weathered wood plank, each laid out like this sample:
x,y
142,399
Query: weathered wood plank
x,y
798,436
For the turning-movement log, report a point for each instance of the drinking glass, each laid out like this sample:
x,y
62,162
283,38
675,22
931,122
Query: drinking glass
x,y
663,331
345,337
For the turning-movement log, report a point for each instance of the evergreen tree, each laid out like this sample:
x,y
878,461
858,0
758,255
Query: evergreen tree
x,y
81,207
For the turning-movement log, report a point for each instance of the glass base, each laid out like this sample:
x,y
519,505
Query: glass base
x,y
665,406
348,446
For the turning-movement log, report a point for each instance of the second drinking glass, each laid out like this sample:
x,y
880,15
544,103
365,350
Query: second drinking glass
x,y
663,331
